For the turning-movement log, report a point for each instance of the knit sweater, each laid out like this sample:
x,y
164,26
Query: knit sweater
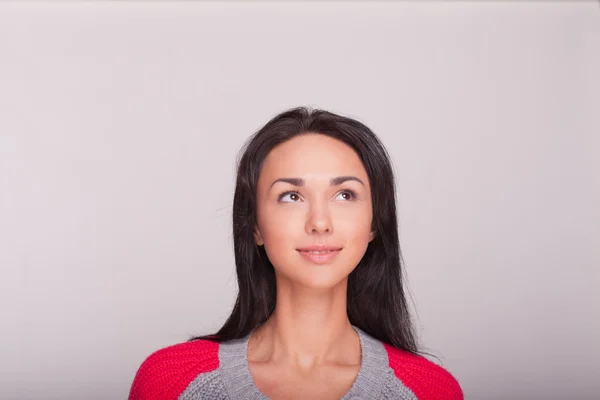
x,y
203,369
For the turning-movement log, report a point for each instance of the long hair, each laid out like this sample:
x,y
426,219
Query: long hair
x,y
376,301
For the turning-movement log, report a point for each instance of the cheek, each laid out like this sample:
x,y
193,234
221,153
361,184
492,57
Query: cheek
x,y
280,232
280,225
280,249
354,222
284,229
355,234
277,227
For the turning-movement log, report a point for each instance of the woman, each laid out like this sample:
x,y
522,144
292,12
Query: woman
x,y
321,311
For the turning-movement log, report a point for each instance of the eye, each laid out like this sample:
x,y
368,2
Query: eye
x,y
350,195
294,196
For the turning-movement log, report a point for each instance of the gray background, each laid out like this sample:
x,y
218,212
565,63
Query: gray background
x,y
119,127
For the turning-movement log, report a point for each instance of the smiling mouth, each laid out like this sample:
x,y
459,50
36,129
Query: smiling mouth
x,y
319,256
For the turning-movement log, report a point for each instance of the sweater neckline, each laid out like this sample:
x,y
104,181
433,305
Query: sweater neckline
x,y
235,372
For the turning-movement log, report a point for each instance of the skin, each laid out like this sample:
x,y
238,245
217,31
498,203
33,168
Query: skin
x,y
308,348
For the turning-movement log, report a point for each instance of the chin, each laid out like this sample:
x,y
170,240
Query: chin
x,y
324,286
319,280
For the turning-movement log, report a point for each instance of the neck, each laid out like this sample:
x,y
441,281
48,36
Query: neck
x,y
308,327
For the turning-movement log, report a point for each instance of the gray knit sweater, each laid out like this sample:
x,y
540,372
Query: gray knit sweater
x,y
208,370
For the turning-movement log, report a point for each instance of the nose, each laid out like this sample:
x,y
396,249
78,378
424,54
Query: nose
x,y
319,222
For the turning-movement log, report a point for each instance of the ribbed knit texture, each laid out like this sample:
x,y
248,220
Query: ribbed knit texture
x,y
206,370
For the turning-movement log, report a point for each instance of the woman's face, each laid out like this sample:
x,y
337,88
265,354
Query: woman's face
x,y
312,211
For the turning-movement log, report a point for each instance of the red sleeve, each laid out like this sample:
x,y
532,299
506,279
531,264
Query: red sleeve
x,y
427,380
166,373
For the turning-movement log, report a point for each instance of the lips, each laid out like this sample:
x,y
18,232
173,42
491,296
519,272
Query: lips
x,y
319,254
320,248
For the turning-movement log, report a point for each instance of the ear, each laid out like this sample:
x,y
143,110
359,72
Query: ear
x,y
258,237
371,236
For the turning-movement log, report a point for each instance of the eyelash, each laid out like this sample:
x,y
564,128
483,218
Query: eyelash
x,y
280,196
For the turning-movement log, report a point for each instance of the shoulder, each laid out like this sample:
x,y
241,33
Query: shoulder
x,y
427,380
167,372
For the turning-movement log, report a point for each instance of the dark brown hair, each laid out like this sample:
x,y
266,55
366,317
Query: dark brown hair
x,y
376,301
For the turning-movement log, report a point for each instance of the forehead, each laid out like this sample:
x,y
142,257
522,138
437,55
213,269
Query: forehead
x,y
312,155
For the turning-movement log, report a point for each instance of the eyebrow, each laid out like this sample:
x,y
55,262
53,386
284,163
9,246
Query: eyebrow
x,y
332,182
